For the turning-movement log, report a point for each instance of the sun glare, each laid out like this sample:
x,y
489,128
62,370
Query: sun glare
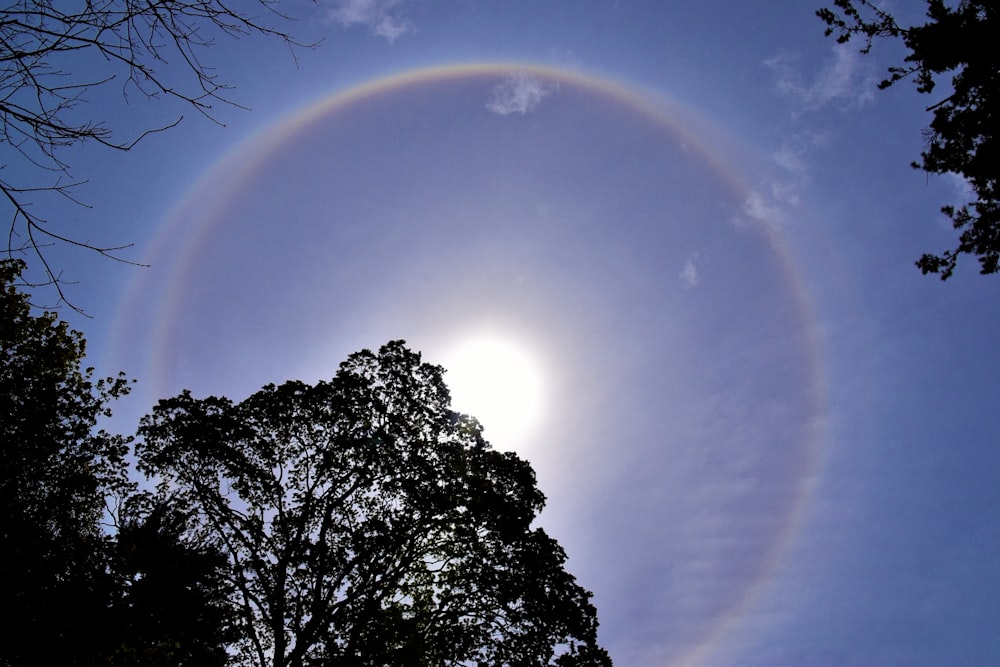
x,y
498,382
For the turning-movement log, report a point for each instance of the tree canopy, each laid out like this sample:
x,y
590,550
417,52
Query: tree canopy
x,y
359,521
55,473
960,41
76,591
169,606
52,458
366,523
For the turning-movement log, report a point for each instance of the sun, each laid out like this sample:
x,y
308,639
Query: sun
x,y
497,381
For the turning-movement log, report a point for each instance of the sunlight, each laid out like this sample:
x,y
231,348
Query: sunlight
x,y
497,381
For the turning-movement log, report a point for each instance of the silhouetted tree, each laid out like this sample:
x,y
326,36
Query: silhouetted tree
x,y
959,40
55,475
366,524
75,590
172,607
52,54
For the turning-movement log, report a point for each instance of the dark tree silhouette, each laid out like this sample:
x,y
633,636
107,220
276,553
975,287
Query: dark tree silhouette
x,y
77,591
171,607
52,54
959,40
366,524
55,475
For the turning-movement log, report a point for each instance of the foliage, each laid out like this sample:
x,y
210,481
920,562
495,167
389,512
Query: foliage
x,y
171,607
52,54
74,591
366,523
55,473
959,40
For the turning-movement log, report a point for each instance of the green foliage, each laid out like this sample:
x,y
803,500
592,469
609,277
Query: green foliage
x,y
959,40
366,523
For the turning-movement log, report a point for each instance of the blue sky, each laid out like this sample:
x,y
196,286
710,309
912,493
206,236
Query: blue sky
x,y
767,440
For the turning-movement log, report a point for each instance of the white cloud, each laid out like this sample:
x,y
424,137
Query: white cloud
x,y
795,152
843,82
846,79
383,17
763,208
518,93
689,274
960,190
778,198
774,202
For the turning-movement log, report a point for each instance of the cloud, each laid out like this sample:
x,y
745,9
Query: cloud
x,y
382,17
518,93
774,202
777,198
764,208
689,274
845,79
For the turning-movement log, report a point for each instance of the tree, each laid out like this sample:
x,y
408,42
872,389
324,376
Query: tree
x,y
76,591
171,606
55,475
52,54
366,523
960,41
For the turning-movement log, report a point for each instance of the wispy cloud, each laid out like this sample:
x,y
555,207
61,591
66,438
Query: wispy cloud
x,y
778,197
384,18
689,274
843,82
763,207
845,79
518,93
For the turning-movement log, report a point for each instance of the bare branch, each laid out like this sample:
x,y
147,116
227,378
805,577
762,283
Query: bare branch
x,y
155,48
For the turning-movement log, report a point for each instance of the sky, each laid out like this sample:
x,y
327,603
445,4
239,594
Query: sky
x,y
766,439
